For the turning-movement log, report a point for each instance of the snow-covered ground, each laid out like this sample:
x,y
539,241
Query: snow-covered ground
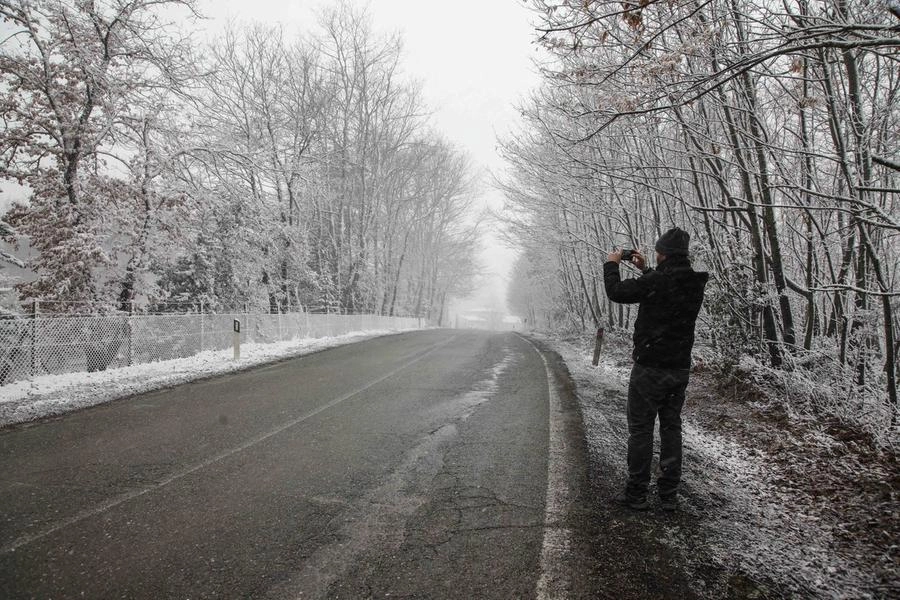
x,y
774,510
51,395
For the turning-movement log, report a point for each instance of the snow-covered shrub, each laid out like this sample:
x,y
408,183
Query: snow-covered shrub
x,y
819,387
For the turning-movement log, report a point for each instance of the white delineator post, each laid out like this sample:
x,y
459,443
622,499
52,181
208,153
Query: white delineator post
x,y
202,331
236,337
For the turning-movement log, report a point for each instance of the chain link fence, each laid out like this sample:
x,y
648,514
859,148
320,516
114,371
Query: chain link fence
x,y
30,347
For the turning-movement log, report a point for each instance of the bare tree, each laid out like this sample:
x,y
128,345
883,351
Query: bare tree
x,y
764,128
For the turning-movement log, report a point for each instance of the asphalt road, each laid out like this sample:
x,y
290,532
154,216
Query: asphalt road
x,y
413,465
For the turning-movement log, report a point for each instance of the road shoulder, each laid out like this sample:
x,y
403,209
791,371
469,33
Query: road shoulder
x,y
771,507
612,552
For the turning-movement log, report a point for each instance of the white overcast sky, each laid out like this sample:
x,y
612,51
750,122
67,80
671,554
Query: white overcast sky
x,y
473,59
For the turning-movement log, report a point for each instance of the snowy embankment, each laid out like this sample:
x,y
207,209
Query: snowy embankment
x,y
774,507
51,395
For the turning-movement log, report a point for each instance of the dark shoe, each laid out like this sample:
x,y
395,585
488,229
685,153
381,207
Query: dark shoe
x,y
668,503
632,502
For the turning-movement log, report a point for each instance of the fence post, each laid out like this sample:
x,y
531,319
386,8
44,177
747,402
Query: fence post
x,y
34,313
598,344
130,332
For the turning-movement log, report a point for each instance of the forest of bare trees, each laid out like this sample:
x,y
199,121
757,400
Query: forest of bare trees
x,y
769,130
262,169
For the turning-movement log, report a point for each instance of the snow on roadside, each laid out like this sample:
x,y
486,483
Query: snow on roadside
x,y
749,526
761,529
51,395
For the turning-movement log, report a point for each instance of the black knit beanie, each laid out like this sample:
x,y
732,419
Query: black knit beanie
x,y
674,241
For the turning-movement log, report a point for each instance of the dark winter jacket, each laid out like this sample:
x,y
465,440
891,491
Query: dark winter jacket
x,y
670,299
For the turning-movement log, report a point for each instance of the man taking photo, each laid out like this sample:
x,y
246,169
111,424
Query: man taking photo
x,y
669,300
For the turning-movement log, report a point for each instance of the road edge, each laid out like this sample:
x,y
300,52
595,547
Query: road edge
x,y
567,482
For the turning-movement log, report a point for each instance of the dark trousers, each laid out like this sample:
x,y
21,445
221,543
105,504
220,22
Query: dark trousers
x,y
652,392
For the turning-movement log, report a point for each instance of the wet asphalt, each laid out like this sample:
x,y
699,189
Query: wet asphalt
x,y
412,465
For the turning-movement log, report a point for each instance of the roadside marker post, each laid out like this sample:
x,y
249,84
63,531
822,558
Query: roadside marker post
x,y
236,336
597,345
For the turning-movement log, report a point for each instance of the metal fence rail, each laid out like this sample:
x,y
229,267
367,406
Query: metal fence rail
x,y
30,347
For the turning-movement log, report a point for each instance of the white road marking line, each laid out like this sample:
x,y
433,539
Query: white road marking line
x,y
556,546
121,499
